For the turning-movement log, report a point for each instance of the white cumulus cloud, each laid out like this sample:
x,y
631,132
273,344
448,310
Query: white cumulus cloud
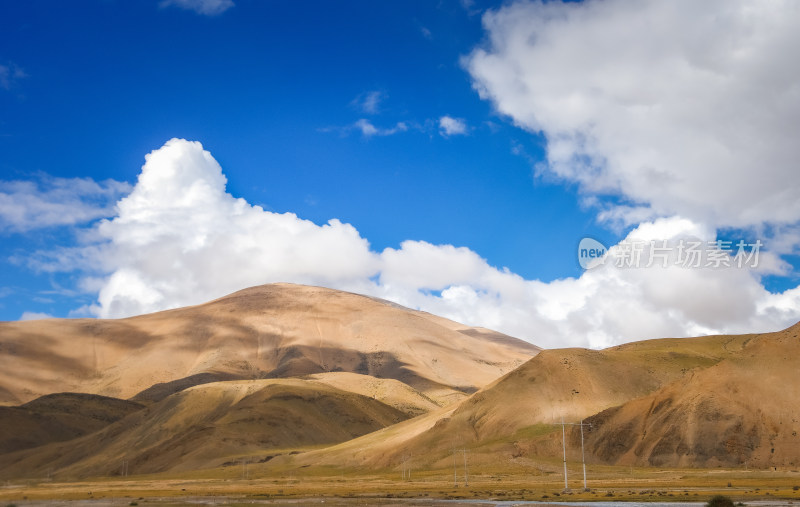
x,y
682,107
180,238
606,305
449,126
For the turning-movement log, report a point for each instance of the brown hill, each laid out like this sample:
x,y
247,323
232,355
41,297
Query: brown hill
x,y
210,425
270,331
745,409
373,382
57,418
518,415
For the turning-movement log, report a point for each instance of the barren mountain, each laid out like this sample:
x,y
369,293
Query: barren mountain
x,y
717,378
745,409
291,376
270,331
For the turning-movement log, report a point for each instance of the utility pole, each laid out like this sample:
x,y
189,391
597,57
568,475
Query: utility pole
x,y
564,446
407,466
455,472
455,467
583,459
466,471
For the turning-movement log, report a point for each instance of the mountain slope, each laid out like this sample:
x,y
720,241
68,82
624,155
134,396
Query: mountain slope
x,y
389,391
517,414
270,331
209,425
745,409
57,418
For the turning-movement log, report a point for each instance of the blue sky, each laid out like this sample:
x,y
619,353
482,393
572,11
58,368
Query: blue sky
x,y
334,111
270,88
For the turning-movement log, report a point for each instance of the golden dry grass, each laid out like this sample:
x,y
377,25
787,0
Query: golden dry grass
x,y
542,483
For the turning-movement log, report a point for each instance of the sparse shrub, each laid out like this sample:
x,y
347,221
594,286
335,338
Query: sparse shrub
x,y
720,501
11,505
795,488
134,503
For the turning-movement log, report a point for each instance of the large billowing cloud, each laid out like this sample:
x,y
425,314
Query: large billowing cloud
x,y
179,238
681,107
606,305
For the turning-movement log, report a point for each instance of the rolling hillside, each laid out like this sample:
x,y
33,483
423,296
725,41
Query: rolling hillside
x,y
57,418
265,370
271,331
290,377
210,425
670,402
745,409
